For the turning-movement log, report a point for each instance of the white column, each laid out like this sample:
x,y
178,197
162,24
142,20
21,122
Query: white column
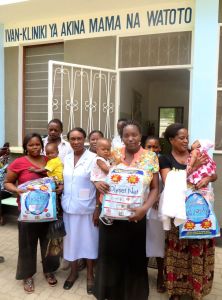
x,y
2,92
203,97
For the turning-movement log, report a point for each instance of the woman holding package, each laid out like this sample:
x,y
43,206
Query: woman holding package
x,y
189,263
30,233
121,269
79,206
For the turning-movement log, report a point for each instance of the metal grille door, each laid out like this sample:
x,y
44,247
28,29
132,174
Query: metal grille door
x,y
82,96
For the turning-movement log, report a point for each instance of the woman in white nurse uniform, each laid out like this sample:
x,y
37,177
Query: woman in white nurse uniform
x,y
79,206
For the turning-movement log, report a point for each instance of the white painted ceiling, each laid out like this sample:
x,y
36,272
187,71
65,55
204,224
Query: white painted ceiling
x,y
48,9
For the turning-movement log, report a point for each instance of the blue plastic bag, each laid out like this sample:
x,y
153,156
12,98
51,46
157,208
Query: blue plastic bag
x,y
201,220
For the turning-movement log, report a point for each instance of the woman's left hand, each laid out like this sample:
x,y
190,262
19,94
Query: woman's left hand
x,y
203,182
138,214
59,189
96,216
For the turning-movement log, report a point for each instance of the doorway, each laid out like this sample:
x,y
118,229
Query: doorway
x,y
144,93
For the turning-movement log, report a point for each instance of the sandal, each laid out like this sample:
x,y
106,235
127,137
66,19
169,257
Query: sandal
x,y
29,285
50,278
160,286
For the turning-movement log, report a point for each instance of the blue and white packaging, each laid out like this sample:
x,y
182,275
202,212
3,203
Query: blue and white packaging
x,y
125,192
201,220
38,202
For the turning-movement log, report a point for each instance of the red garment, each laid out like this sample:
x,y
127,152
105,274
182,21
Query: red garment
x,y
21,166
208,169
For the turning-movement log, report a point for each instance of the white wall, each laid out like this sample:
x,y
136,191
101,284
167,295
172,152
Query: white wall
x,y
130,82
158,89
167,94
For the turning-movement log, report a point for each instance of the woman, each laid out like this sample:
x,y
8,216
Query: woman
x,y
121,269
30,233
55,129
93,137
154,226
79,206
189,264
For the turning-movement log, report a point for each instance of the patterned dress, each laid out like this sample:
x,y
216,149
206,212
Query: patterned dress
x,y
121,272
189,264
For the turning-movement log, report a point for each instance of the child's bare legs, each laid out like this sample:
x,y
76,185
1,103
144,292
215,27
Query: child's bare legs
x,y
160,276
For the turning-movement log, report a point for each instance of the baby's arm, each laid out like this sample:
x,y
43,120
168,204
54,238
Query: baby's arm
x,y
193,159
102,165
42,170
194,155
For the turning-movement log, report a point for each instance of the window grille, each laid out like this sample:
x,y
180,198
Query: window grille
x,y
36,85
155,50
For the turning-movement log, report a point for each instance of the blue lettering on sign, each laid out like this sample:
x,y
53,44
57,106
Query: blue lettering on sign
x,y
188,15
105,24
172,18
12,35
26,33
132,21
73,28
53,29
169,16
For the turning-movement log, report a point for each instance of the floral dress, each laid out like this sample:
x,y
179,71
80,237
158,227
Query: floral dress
x,y
189,264
143,159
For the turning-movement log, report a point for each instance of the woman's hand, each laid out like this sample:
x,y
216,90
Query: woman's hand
x,y
205,181
102,187
96,216
201,160
138,214
59,189
156,205
19,192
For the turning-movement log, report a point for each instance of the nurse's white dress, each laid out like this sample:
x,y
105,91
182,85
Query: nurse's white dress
x,y
155,235
78,203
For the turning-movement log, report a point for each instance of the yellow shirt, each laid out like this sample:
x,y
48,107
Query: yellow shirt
x,y
55,168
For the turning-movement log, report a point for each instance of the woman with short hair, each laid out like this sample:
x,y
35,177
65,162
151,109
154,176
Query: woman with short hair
x,y
79,207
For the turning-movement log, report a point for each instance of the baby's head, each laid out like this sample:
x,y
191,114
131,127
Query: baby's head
x,y
202,145
51,150
153,144
103,148
195,145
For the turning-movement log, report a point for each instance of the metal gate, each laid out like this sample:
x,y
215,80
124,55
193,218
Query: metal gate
x,y
82,96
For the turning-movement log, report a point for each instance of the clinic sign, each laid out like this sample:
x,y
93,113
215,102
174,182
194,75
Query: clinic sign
x,y
143,21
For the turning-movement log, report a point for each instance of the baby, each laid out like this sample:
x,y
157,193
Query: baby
x,y
209,168
54,166
101,168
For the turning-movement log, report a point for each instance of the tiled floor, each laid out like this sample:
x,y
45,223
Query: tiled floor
x,y
11,289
